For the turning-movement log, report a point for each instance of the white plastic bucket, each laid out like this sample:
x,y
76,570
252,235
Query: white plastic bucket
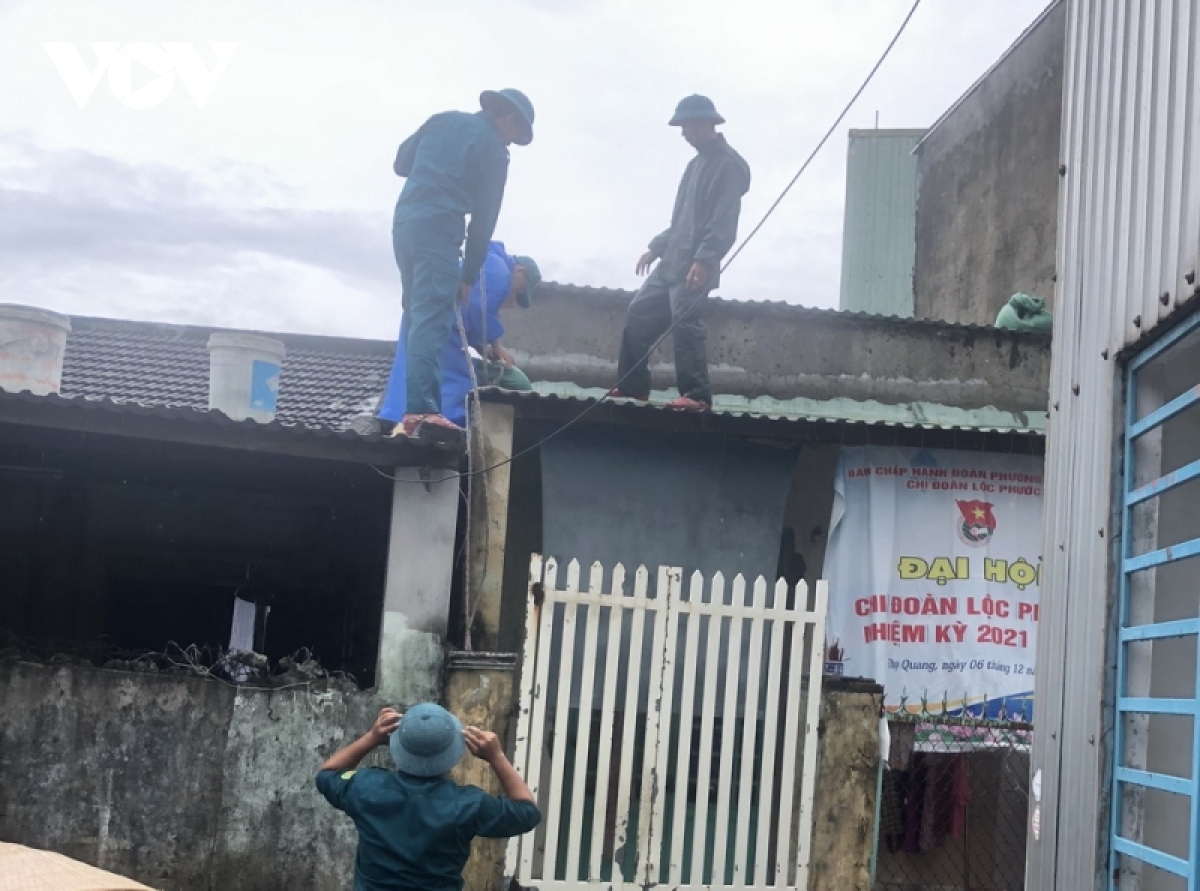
x,y
243,375
32,344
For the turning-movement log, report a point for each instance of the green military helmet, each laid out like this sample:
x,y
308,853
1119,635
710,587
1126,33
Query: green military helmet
x,y
695,108
504,101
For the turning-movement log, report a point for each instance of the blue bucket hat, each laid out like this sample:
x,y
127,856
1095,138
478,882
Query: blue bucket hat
x,y
533,278
695,108
502,102
428,742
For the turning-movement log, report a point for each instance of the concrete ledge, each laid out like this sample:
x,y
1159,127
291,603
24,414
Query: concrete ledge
x,y
785,351
832,684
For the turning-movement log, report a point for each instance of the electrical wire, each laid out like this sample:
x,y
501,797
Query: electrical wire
x,y
683,316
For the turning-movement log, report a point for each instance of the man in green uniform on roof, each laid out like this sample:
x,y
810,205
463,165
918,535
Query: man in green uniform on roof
x,y
456,166
703,229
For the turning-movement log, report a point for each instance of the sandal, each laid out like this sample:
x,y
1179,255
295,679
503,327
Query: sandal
x,y
432,429
687,403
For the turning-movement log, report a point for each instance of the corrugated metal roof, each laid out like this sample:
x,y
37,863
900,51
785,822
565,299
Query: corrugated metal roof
x,y
920,415
879,229
347,444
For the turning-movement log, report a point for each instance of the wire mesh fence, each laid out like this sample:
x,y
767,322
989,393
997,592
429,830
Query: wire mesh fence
x,y
954,806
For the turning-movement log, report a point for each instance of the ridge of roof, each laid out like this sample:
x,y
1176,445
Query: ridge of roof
x,y
346,345
293,340
784,308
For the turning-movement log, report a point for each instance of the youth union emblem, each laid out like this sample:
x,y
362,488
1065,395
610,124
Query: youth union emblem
x,y
977,524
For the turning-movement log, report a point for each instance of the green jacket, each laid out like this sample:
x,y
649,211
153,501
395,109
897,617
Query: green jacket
x,y
456,165
416,832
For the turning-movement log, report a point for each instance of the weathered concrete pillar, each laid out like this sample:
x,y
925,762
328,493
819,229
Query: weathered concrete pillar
x,y
491,445
416,600
479,690
847,770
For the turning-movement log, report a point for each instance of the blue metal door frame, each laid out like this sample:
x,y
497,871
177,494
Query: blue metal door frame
x,y
1127,634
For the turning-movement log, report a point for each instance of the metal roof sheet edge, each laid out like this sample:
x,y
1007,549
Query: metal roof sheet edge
x,y
1032,427
219,420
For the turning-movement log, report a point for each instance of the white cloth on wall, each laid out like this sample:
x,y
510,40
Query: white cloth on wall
x,y
241,636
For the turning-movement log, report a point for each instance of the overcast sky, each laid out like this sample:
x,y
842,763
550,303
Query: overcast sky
x,y
270,206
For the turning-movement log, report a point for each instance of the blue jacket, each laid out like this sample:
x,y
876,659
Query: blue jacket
x,y
482,326
456,164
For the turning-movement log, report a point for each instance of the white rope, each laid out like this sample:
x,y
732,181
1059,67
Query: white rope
x,y
473,417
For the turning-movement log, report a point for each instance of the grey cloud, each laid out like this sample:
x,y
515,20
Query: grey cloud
x,y
286,225
96,210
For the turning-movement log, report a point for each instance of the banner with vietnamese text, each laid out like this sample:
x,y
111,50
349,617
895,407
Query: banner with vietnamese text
x,y
933,566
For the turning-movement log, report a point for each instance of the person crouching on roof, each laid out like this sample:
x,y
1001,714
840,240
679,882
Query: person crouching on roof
x,y
504,282
415,825
456,165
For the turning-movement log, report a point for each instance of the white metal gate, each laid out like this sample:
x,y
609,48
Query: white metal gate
x,y
669,736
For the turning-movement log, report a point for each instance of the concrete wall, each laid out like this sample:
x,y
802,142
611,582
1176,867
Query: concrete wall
x,y
416,603
784,351
491,447
178,782
847,786
987,185
479,689
653,498
184,783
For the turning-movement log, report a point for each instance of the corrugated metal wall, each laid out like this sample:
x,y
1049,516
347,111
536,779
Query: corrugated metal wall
x,y
1128,238
879,232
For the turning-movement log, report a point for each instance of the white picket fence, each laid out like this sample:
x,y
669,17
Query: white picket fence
x,y
668,739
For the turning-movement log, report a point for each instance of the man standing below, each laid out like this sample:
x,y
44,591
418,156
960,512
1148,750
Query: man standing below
x,y
415,824
505,281
456,165
703,229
